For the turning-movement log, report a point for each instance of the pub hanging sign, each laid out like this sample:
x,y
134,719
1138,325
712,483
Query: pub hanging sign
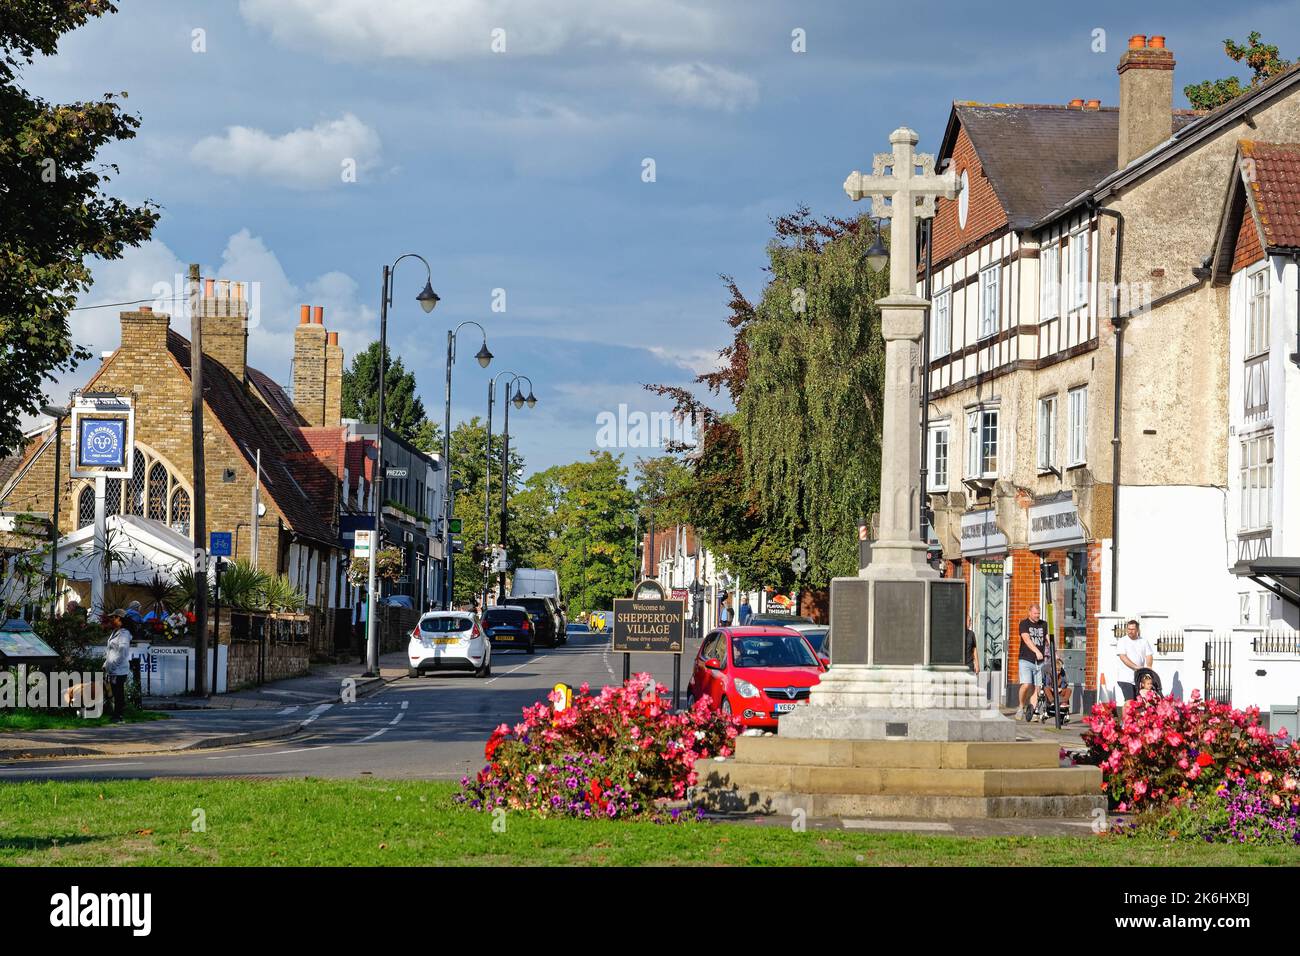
x,y
103,430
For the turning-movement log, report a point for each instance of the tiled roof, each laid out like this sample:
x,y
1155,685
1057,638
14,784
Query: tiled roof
x,y
1272,174
276,399
288,467
1038,157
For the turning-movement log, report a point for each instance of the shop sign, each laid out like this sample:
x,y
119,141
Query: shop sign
x,y
980,533
1054,523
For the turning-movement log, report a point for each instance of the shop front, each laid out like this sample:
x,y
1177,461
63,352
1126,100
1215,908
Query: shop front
x,y
984,556
1056,536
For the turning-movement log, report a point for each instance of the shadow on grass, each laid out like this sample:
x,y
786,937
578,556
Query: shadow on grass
x,y
34,844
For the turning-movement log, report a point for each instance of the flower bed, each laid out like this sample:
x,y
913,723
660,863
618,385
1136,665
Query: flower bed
x,y
1197,768
620,754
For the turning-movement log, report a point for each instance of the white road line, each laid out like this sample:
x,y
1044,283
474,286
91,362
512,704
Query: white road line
x,y
396,720
76,766
316,713
405,704
382,730
267,753
288,710
511,671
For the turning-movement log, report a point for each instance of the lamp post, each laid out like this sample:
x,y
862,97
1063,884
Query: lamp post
x,y
518,401
58,413
427,299
484,359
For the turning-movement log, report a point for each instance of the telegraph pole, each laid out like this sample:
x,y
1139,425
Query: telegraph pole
x,y
199,517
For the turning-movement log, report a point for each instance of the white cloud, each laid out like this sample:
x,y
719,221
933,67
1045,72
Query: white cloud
x,y
705,86
695,361
302,159
455,29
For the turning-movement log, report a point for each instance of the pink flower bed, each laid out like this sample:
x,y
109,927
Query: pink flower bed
x,y
1161,751
619,754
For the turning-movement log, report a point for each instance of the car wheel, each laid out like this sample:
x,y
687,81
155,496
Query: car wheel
x,y
485,670
690,700
726,708
413,672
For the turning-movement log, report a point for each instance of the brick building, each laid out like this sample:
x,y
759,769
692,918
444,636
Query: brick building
x,y
247,418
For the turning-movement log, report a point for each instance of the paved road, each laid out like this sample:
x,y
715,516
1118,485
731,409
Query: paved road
x,y
415,728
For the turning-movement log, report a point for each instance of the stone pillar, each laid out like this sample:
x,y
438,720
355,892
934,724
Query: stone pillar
x,y
1108,664
1192,676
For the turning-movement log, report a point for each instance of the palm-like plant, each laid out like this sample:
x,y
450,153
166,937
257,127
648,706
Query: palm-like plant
x,y
162,593
243,587
281,595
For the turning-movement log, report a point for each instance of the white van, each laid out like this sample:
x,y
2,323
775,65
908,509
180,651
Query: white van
x,y
535,582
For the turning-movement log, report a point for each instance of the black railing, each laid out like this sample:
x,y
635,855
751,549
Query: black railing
x,y
1277,642
1169,642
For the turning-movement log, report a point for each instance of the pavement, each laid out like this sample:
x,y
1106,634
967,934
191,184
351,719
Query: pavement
x,y
399,727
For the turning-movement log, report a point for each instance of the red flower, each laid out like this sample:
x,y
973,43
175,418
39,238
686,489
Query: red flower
x,y
1203,759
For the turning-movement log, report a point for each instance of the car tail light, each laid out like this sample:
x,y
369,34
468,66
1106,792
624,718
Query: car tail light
x,y
527,626
416,633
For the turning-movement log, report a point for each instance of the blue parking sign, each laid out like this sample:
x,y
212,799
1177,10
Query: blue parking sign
x,y
220,544
102,443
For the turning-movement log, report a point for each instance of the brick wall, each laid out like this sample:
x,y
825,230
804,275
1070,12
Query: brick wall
x,y
1248,250
282,661
309,340
985,213
333,381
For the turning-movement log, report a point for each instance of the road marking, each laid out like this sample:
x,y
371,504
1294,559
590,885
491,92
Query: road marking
x,y
288,710
382,730
75,766
604,657
268,753
511,671
316,713
395,720
289,693
897,825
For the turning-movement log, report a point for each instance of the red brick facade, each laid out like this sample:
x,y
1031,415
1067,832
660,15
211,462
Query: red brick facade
x,y
1248,250
985,214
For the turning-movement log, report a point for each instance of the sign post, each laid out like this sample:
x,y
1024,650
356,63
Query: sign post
x,y
650,626
103,428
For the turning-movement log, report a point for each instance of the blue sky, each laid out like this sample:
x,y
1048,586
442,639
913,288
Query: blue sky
x,y
522,170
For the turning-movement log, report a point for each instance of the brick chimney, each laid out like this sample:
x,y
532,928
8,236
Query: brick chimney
x,y
145,331
223,307
333,381
309,366
1146,97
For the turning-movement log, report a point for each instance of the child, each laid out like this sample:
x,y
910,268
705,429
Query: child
x,y
1148,683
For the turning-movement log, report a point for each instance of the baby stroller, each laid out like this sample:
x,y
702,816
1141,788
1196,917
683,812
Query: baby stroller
x,y
1140,675
1046,709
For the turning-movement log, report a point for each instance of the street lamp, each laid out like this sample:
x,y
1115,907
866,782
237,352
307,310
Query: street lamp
x,y
877,256
518,402
484,358
427,299
58,413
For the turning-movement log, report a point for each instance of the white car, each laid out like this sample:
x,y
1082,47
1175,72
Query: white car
x,y
449,641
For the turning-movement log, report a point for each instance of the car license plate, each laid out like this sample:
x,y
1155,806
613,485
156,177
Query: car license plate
x,y
446,640
501,637
784,708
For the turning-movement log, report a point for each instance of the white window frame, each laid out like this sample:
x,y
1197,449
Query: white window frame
x,y
1049,278
933,473
1258,322
982,439
1256,476
1077,428
941,336
1047,432
990,300
1080,268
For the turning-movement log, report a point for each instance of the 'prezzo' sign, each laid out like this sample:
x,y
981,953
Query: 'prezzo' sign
x,y
980,533
1054,522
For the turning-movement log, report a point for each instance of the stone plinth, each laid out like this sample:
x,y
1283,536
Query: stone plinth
x,y
903,778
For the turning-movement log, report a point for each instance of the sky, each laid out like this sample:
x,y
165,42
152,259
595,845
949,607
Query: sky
x,y
578,173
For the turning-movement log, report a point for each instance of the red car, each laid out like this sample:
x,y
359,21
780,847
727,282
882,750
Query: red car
x,y
755,673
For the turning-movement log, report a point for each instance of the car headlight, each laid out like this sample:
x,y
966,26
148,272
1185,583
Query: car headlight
x,y
745,689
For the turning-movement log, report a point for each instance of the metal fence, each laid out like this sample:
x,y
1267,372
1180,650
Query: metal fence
x,y
1277,642
1169,642
1217,666
256,628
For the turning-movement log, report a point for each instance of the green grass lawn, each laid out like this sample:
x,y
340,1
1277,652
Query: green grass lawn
x,y
12,721
343,823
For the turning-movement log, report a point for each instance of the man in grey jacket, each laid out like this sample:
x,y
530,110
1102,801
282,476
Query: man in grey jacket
x,y
117,662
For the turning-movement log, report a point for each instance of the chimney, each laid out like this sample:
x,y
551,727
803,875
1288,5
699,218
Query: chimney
x,y
145,331
1076,104
1092,105
309,367
1146,97
333,381
223,309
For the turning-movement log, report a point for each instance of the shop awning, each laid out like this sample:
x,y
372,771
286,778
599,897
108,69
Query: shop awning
x,y
1279,575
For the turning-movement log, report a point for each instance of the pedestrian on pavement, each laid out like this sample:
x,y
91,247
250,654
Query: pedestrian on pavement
x,y
1134,654
117,663
972,659
724,615
1033,651
746,612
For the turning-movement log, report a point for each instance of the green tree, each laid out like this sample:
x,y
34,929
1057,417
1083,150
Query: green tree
x,y
1263,60
468,444
660,483
403,409
55,212
428,437
579,519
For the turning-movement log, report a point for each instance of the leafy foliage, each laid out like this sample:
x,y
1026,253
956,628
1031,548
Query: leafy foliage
x,y
1263,60
52,203
468,446
403,409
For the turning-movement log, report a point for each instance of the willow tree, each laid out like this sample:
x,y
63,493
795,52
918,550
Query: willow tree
x,y
809,417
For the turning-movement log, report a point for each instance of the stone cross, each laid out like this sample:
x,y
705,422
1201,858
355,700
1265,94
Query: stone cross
x,y
902,196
